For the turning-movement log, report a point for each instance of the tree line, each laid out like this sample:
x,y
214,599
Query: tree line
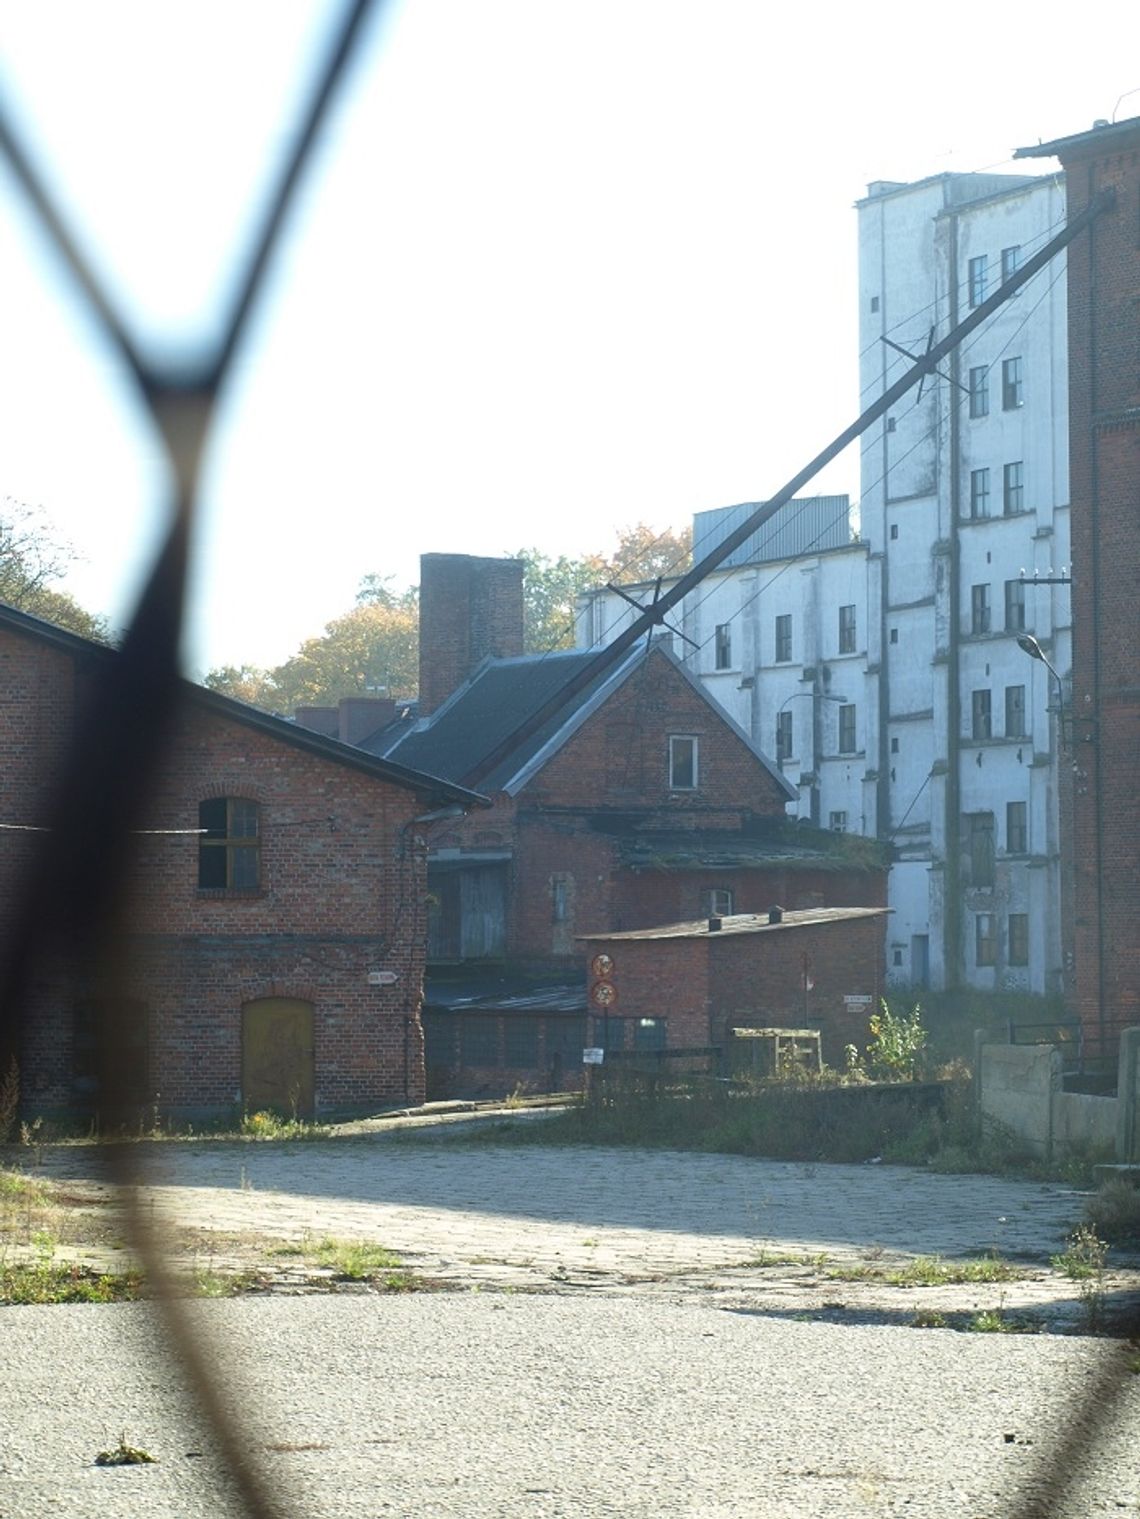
x,y
373,648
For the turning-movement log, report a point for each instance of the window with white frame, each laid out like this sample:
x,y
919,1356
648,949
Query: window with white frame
x,y
1015,711
783,638
1016,828
978,269
985,943
980,391
783,737
981,718
847,734
723,643
683,761
1012,384
979,494
1013,488
1019,938
1014,606
979,609
1010,262
847,630
837,822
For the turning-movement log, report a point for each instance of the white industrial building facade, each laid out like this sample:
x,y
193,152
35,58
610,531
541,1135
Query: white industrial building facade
x,y
883,670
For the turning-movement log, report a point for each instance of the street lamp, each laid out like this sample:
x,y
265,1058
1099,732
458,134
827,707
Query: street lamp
x,y
1029,645
817,696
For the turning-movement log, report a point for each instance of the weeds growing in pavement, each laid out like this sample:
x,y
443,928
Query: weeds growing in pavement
x,y
43,1279
1084,1263
124,1454
1113,1213
271,1126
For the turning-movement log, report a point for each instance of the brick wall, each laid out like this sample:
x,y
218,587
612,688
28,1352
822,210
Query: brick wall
x,y
1104,425
341,893
470,608
711,982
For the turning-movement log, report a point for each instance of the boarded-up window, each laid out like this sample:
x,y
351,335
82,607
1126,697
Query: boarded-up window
x,y
479,1037
520,1040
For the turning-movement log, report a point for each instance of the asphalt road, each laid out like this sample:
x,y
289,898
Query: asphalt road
x,y
478,1403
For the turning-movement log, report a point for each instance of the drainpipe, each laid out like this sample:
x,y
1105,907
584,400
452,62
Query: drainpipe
x,y
951,865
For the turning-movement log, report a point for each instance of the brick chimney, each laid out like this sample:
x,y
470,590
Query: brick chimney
x,y
470,608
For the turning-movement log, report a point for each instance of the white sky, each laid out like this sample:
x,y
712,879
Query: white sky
x,y
560,265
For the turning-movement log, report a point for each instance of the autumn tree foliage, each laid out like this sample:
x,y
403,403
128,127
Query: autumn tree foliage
x,y
32,559
373,649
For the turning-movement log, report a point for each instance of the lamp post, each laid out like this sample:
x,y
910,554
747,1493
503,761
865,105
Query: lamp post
x,y
816,696
1029,645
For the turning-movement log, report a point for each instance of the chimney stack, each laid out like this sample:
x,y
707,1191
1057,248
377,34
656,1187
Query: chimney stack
x,y
470,609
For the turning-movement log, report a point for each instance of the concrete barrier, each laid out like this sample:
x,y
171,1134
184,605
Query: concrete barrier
x,y
1020,1086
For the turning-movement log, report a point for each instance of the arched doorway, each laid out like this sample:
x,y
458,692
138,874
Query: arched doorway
x,y
277,1065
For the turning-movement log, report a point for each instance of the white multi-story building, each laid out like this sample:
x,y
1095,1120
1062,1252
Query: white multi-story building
x,y
883,670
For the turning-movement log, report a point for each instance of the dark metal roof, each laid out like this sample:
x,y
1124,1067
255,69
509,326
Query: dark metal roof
x,y
488,707
431,787
502,693
1098,139
506,993
744,923
785,845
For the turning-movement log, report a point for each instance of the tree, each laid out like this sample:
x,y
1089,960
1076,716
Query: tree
x,y
372,649
551,587
31,558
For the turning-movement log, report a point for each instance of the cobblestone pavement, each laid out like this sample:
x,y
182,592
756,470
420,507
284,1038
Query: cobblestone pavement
x,y
562,1219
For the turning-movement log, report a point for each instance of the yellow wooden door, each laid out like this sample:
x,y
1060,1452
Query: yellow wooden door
x,y
277,1056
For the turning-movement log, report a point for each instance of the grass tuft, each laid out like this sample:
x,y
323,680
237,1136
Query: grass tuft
x,y
125,1455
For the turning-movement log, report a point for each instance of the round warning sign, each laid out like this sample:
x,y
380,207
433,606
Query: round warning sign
x,y
603,994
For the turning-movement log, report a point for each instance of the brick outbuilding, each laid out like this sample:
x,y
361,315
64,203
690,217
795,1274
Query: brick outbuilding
x,y
275,943
686,985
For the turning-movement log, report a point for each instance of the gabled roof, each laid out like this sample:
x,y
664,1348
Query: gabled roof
x,y
432,787
502,693
1105,136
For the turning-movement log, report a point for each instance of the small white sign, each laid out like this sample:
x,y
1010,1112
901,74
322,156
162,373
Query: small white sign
x,y
593,1056
382,977
858,1000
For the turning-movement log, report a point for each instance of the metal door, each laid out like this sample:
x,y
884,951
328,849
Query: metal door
x,y
277,1056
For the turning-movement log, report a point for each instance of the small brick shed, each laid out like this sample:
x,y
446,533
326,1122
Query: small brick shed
x,y
819,968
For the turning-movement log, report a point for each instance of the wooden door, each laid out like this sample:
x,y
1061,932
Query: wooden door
x,y
277,1066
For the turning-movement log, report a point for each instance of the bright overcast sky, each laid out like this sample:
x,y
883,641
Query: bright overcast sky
x,y
560,265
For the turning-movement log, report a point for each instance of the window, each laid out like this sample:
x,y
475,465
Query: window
x,y
874,303
894,746
977,269
229,851
894,529
1010,260
1014,606
724,646
984,946
1012,385
1015,711
979,494
1019,938
1016,828
980,841
649,1034
559,899
847,729
610,1032
894,635
980,718
478,1039
783,638
847,630
837,822
783,737
682,763
520,1040
980,391
892,423
717,902
979,609
1013,488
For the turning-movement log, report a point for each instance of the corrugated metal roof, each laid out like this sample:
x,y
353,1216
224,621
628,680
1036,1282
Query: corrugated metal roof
x,y
507,995
804,525
743,923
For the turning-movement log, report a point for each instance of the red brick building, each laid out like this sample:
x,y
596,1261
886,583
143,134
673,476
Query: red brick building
x,y
639,801
275,946
1104,468
687,985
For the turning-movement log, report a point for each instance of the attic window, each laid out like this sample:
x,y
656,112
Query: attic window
x,y
229,849
682,762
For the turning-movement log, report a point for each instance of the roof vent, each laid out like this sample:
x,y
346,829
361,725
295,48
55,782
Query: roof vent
x,y
714,925
775,914
1100,122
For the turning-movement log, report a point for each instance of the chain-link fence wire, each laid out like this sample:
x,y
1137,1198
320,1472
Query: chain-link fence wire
x,y
75,892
